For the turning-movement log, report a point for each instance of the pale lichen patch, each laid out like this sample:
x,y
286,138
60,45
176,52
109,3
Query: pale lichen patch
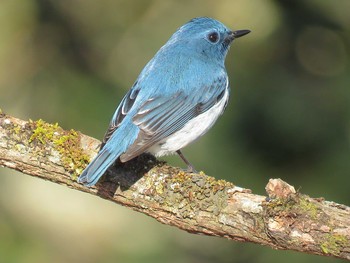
x,y
275,226
237,189
325,228
250,206
227,220
305,237
7,121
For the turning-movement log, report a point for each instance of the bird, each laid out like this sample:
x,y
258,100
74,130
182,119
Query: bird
x,y
176,99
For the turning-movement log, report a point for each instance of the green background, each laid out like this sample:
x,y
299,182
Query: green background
x,y
71,61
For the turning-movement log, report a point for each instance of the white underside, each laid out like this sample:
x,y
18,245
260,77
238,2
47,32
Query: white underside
x,y
194,129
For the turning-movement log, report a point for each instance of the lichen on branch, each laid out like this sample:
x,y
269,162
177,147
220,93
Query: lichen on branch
x,y
49,140
197,203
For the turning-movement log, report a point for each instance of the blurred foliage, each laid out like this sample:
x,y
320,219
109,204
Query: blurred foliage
x,y
72,61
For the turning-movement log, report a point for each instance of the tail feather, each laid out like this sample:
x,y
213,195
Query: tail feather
x,y
117,144
98,167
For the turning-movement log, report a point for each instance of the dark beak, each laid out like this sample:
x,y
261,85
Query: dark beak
x,y
240,33
235,34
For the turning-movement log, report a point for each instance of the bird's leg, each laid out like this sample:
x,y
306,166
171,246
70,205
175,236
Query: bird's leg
x,y
190,167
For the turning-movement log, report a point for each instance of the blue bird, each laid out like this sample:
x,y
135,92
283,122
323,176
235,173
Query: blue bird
x,y
176,99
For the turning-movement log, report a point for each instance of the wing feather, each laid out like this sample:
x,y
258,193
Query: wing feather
x,y
158,117
120,113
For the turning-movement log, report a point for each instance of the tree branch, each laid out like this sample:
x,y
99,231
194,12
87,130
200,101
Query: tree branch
x,y
196,203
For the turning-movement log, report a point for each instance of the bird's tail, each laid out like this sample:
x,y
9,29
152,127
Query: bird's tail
x,y
115,146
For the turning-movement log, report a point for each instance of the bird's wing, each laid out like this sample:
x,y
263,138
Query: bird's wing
x,y
120,113
161,116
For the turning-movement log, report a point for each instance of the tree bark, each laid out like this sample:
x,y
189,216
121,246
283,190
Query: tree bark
x,y
197,203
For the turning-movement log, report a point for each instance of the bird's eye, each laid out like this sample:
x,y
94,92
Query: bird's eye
x,y
213,37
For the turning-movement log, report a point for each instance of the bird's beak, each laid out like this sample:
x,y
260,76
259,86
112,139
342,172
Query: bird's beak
x,y
240,33
235,34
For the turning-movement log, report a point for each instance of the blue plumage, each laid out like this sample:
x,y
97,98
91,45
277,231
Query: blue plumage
x,y
177,97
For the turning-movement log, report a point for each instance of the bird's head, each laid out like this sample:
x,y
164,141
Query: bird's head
x,y
206,37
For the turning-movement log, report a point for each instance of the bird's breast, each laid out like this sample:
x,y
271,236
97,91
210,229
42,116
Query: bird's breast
x,y
192,130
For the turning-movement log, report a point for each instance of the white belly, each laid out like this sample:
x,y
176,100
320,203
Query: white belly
x,y
194,129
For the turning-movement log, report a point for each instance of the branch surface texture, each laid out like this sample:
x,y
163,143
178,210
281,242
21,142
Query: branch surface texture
x,y
197,203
